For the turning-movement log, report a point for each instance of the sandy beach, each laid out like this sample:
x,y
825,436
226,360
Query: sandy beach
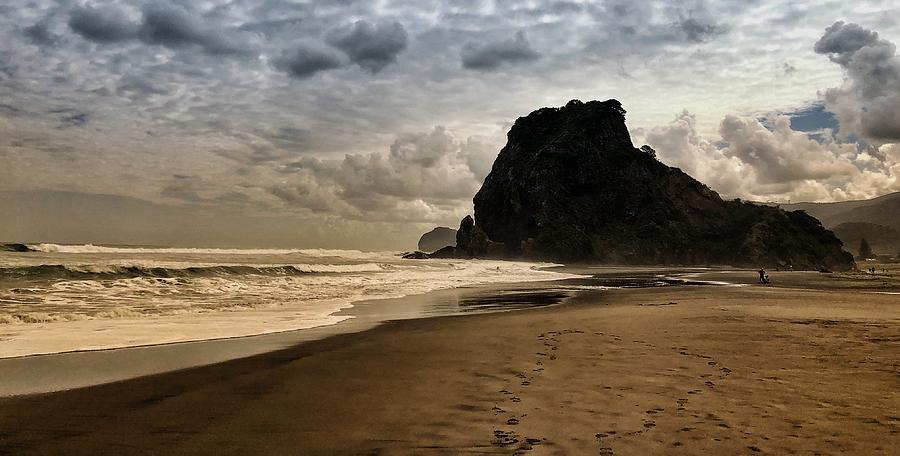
x,y
806,366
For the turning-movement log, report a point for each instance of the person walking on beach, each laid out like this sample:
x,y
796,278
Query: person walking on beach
x,y
762,275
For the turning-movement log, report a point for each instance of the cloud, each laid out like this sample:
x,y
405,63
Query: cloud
x,y
637,30
186,72
306,60
160,24
782,155
103,25
841,41
489,56
868,102
372,46
175,27
768,160
788,69
698,31
40,34
679,144
69,117
431,175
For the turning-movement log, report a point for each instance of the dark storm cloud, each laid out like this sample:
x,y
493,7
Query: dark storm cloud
x,y
304,61
372,46
841,41
175,27
69,117
102,25
490,56
136,86
166,25
698,31
74,120
868,103
289,138
9,109
637,29
40,34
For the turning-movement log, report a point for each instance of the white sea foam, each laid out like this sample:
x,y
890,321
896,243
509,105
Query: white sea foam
x,y
90,297
90,248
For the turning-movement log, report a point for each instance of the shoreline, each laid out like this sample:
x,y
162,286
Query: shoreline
x,y
667,370
85,368
73,369
67,370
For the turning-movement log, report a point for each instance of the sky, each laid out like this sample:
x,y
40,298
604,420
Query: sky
x,y
362,124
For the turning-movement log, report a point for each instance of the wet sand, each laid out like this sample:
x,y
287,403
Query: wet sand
x,y
810,365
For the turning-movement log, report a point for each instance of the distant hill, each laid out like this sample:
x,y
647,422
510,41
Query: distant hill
x,y
884,210
882,239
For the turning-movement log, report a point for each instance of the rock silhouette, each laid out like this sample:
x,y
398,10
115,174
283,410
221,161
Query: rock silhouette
x,y
570,186
437,238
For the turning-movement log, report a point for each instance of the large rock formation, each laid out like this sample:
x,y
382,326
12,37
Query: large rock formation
x,y
437,239
570,186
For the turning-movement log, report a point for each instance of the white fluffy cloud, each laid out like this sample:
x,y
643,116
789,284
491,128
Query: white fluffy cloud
x,y
768,160
752,161
424,177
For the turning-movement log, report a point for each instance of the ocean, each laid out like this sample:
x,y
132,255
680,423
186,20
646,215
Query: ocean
x,y
61,298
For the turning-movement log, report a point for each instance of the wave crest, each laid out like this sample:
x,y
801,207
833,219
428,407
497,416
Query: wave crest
x,y
111,271
90,248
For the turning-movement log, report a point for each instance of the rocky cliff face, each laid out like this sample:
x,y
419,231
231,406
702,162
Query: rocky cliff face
x,y
437,238
570,186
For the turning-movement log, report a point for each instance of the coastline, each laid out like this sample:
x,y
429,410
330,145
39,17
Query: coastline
x,y
668,370
84,368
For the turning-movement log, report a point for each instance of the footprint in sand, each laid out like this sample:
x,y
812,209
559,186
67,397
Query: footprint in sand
x,y
504,438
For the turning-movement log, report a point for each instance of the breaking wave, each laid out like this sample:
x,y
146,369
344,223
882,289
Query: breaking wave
x,y
125,271
90,248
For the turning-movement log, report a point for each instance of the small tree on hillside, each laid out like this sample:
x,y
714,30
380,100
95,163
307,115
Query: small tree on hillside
x,y
865,251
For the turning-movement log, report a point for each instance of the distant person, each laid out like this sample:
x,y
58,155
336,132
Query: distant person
x,y
762,275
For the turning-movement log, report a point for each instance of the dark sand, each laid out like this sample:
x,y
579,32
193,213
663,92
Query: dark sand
x,y
808,366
